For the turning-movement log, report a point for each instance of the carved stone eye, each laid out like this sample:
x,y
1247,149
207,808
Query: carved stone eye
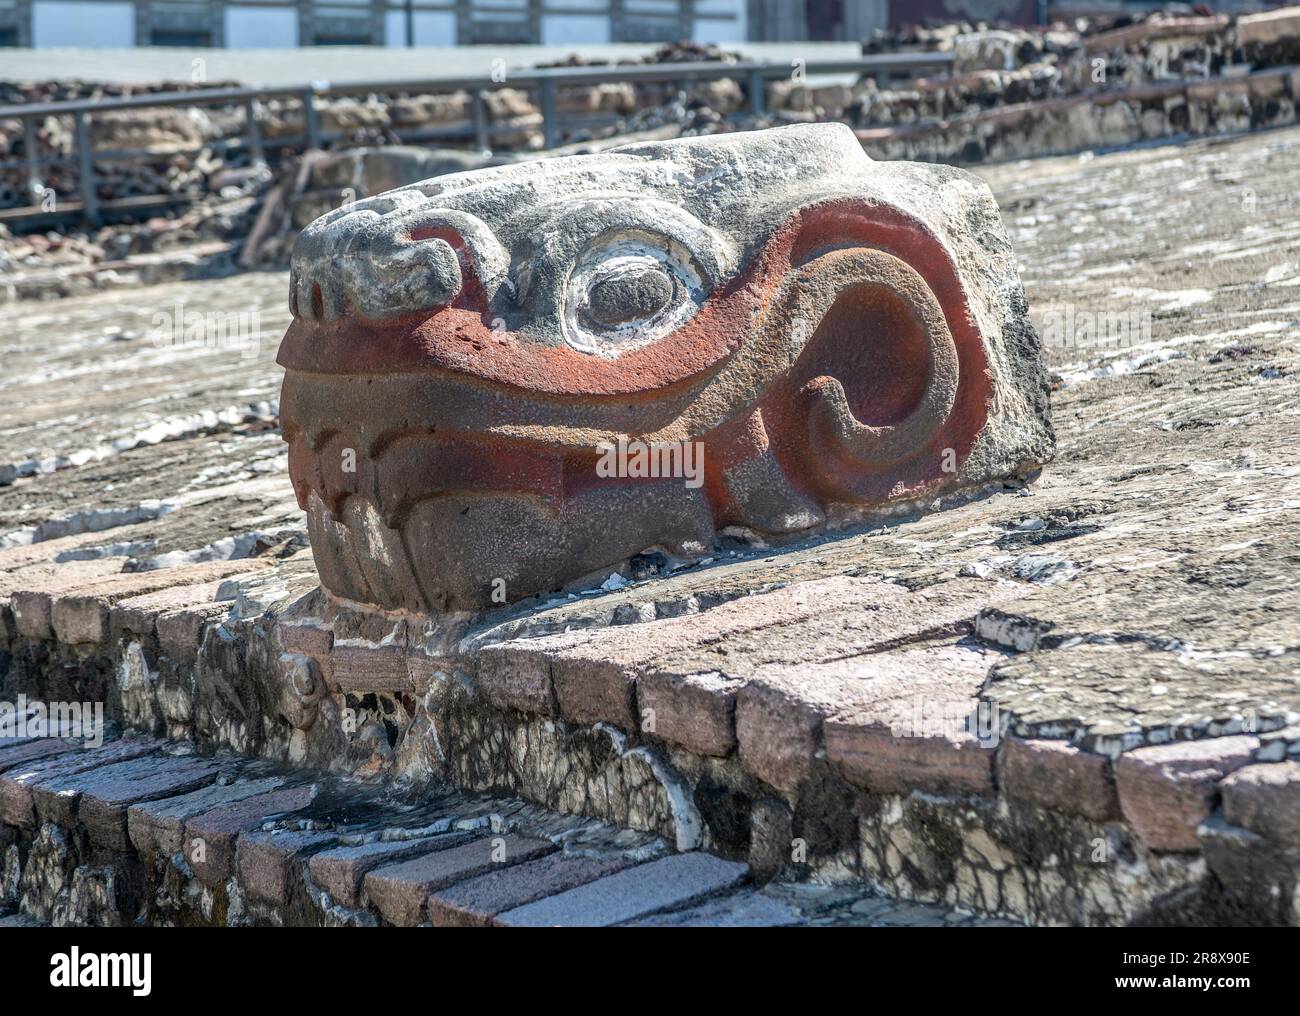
x,y
627,293
641,290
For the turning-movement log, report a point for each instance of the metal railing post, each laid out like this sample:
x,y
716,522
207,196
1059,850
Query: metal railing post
x,y
34,183
757,93
481,136
255,151
86,165
311,119
550,129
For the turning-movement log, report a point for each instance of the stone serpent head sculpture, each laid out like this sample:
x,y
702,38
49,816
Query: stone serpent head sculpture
x,y
502,381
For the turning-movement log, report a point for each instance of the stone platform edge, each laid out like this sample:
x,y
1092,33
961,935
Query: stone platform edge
x,y
1033,829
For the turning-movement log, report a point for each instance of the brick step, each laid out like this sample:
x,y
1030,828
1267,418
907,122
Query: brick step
x,y
143,830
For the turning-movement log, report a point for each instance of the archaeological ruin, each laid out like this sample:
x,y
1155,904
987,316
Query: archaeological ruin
x,y
735,515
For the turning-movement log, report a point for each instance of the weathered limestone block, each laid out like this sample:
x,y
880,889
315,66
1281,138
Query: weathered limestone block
x,y
503,381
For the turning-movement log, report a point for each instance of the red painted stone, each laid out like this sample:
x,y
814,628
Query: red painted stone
x,y
768,307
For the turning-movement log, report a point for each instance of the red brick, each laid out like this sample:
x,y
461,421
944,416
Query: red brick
x,y
1167,790
1265,799
1060,777
217,830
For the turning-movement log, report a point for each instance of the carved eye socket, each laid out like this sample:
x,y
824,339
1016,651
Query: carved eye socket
x,y
627,293
630,289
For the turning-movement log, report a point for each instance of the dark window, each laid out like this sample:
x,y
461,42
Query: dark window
x,y
825,20
341,40
179,37
8,37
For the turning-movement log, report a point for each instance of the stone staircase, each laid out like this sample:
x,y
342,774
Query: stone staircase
x,y
144,831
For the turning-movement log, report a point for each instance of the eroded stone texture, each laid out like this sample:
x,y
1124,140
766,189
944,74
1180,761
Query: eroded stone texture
x,y
796,333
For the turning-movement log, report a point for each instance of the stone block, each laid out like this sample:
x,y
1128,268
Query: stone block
x,y
339,870
365,669
398,891
748,909
632,893
159,826
97,801
34,750
210,840
1267,27
138,615
266,861
890,721
476,902
595,691
18,783
779,731
1265,798
516,678
1058,777
32,603
696,711
180,631
877,760
1167,790
81,615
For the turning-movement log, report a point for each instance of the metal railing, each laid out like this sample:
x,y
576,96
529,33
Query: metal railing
x,y
545,82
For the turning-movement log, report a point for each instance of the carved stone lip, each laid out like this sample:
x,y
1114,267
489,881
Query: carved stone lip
x,y
391,404
406,468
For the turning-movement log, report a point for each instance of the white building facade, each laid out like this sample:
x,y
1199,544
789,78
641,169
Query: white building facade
x,y
242,24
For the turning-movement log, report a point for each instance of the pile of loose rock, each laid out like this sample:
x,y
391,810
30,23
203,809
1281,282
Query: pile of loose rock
x,y
175,145
1017,92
